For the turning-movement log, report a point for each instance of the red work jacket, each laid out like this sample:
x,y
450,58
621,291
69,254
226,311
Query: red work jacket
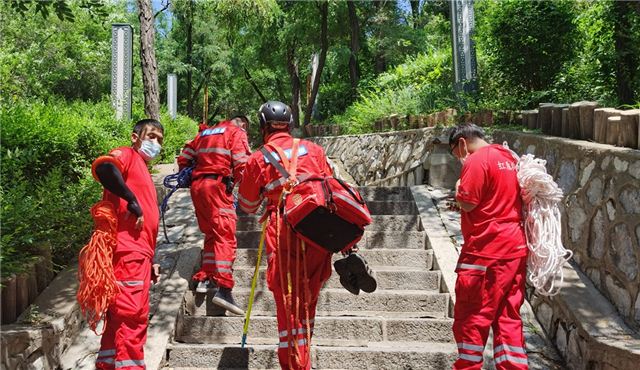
x,y
222,150
263,179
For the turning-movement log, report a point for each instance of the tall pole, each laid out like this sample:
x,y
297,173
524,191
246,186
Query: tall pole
x,y
464,50
121,67
172,95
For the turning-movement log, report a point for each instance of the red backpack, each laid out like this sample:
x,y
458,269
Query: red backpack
x,y
323,211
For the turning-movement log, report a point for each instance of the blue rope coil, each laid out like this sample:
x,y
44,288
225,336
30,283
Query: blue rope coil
x,y
174,182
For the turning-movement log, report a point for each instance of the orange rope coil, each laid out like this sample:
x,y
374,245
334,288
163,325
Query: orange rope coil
x,y
98,285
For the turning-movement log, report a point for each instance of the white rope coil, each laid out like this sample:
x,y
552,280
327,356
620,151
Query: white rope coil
x,y
542,224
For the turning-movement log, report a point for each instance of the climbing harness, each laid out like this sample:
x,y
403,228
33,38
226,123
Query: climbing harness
x,y
254,280
174,182
98,286
541,195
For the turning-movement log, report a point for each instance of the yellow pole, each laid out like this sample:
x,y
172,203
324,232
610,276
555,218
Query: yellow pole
x,y
245,329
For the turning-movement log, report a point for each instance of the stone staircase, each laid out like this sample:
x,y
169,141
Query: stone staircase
x,y
404,324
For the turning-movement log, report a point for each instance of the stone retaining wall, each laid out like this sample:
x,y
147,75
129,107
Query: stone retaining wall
x,y
601,183
399,158
600,212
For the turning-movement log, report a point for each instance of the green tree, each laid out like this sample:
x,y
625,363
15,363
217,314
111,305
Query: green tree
x,y
43,55
525,43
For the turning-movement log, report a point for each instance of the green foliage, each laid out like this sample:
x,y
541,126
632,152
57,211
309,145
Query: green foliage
x,y
61,8
591,75
44,56
47,188
421,85
524,45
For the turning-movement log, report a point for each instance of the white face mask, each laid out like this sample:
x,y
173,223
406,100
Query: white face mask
x,y
149,150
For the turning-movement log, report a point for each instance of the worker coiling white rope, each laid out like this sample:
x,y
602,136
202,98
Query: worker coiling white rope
x,y
543,229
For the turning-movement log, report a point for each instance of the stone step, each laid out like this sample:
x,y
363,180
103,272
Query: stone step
x,y
408,258
328,330
186,214
392,208
388,277
409,355
335,302
389,194
370,239
380,223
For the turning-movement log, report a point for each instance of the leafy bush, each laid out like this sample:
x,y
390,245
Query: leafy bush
x,y
47,189
524,45
420,85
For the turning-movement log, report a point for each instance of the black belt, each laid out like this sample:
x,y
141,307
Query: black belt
x,y
211,176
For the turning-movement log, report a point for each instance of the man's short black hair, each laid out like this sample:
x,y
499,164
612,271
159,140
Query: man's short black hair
x,y
242,117
147,121
465,130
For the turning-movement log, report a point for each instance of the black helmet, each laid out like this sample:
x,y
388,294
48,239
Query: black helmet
x,y
274,112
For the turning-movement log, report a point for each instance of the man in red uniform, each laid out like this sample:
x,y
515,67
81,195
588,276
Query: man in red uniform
x,y
218,155
128,186
289,261
492,265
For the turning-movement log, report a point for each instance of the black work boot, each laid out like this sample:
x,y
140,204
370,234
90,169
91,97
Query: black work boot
x,y
204,286
347,279
365,278
224,299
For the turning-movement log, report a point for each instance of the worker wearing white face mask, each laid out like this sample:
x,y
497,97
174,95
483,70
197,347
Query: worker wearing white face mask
x,y
492,264
129,205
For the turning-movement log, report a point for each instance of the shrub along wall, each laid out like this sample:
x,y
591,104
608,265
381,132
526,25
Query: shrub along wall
x,y
47,189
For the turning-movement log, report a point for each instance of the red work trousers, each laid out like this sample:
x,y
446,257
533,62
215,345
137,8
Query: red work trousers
x,y
122,344
296,303
489,294
217,220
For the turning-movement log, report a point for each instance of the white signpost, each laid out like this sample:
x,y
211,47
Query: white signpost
x,y
172,95
464,50
121,67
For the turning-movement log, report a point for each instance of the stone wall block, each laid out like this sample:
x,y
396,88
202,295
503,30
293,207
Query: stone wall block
x,y
564,126
561,339
576,218
544,314
600,116
620,165
630,199
597,236
572,127
9,313
567,176
586,119
594,275
556,119
575,355
587,171
619,296
544,117
628,135
622,251
613,130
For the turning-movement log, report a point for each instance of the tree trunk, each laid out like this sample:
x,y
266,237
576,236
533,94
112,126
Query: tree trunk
x,y
626,62
249,79
190,61
148,60
324,47
354,69
294,75
415,12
